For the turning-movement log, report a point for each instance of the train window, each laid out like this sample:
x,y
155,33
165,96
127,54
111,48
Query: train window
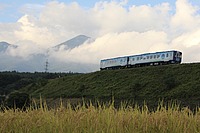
x,y
147,57
141,58
154,56
167,55
151,57
138,58
163,56
133,59
158,56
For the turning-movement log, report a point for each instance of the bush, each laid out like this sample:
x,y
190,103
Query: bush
x,y
2,99
18,100
170,82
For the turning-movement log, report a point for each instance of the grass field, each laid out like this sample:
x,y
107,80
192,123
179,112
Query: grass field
x,y
87,118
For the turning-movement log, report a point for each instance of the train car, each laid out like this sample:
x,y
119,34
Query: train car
x,y
113,63
157,58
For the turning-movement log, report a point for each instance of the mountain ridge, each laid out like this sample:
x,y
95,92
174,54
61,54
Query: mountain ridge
x,y
73,42
36,61
4,46
69,44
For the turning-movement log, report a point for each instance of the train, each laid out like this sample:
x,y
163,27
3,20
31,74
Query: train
x,y
147,59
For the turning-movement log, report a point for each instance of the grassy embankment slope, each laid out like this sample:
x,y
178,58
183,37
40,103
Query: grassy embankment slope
x,y
170,82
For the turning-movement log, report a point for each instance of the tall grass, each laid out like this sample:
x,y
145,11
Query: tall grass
x,y
87,118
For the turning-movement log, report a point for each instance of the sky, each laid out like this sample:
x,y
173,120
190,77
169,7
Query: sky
x,y
11,10
118,27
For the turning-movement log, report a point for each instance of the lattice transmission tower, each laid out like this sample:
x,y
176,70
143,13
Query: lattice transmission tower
x,y
46,65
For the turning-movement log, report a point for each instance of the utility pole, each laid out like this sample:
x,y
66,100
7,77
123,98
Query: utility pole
x,y
46,66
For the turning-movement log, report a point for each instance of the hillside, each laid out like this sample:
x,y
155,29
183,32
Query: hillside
x,y
169,82
13,81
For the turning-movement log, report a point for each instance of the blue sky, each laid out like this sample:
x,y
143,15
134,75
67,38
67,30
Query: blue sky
x,y
10,10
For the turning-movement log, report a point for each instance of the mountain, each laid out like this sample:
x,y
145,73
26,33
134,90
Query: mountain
x,y
72,43
36,62
4,46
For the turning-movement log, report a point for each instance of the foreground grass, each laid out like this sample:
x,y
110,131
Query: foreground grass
x,y
101,119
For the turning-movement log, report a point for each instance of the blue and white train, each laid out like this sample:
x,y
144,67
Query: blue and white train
x,y
148,59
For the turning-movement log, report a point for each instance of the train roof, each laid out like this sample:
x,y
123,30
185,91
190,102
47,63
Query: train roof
x,y
115,58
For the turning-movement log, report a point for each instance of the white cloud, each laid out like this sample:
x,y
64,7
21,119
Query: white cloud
x,y
118,29
144,18
185,16
25,50
114,44
7,32
32,9
31,31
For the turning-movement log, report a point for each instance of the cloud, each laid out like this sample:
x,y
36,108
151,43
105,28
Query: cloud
x,y
31,31
186,17
139,29
8,32
118,29
113,45
32,9
25,50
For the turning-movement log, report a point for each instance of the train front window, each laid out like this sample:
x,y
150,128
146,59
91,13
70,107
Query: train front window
x,y
178,55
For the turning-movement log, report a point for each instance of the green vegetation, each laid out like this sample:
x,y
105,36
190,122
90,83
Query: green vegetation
x,y
151,84
136,85
18,100
12,82
88,118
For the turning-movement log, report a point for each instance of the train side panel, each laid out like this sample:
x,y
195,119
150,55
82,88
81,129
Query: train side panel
x,y
113,63
149,58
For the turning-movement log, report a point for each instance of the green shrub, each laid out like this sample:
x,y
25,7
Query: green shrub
x,y
18,100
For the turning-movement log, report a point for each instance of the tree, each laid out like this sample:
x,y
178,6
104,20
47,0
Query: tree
x,y
18,100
